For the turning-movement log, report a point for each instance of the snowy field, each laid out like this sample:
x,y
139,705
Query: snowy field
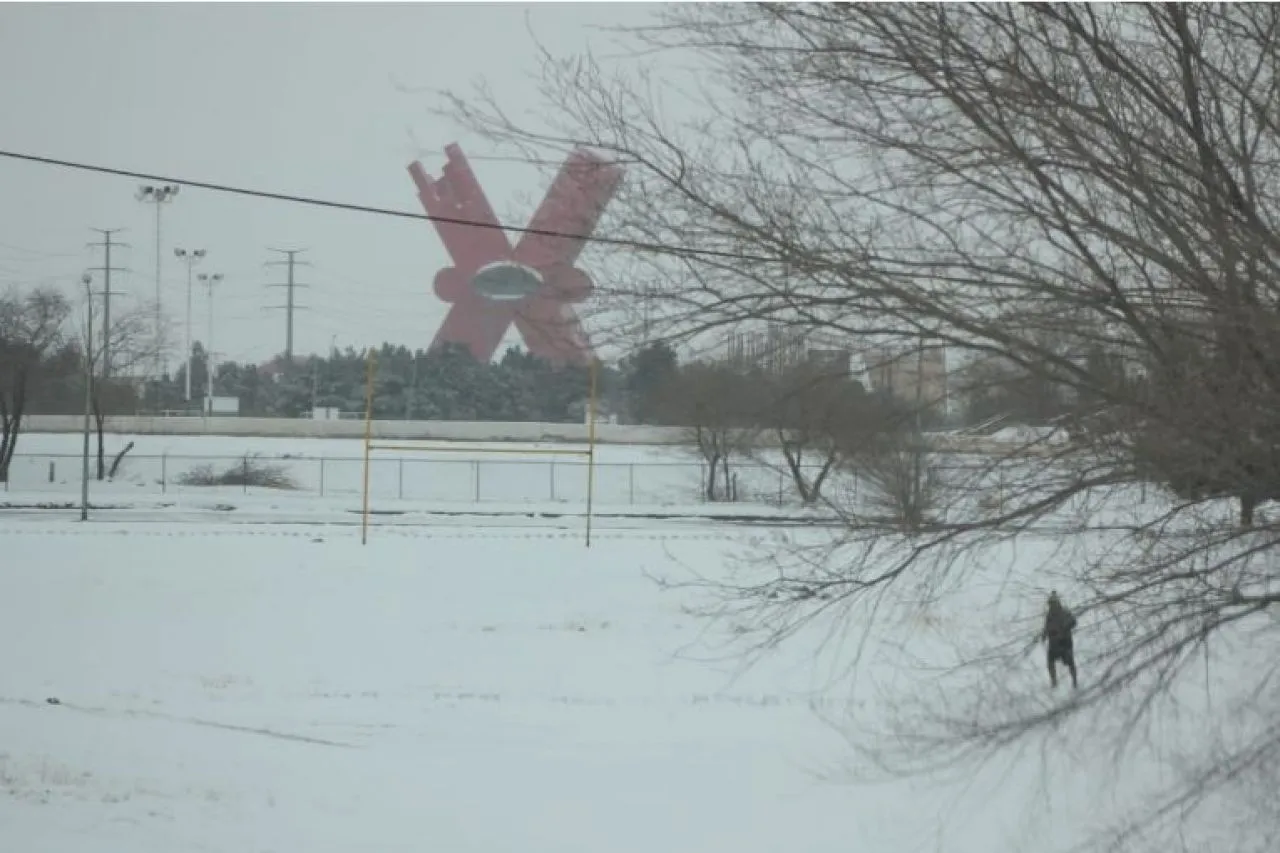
x,y
249,680
489,689
625,476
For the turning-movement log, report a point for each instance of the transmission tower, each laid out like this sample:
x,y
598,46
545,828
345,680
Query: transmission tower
x,y
106,269
290,304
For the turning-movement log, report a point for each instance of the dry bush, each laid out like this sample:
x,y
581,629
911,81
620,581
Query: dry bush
x,y
902,486
246,472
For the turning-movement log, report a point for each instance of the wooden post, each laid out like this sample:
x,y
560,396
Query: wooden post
x,y
591,448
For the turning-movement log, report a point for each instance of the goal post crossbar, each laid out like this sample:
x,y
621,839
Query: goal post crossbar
x,y
535,451
370,445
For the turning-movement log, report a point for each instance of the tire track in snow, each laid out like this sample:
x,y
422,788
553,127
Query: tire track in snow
x,y
55,707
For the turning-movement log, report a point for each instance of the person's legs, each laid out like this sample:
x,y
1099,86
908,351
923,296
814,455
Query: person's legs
x,y
1052,657
1069,658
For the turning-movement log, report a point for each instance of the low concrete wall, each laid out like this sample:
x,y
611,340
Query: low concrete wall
x,y
396,430
452,431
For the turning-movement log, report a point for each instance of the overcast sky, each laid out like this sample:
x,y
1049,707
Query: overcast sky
x,y
306,99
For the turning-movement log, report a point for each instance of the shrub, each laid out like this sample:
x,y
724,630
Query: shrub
x,y
246,472
903,486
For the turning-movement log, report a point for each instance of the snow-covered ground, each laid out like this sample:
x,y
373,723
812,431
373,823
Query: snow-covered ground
x,y
486,689
253,679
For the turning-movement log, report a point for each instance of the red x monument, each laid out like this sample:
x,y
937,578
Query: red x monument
x,y
534,285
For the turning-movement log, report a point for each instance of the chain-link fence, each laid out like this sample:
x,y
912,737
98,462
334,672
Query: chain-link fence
x,y
963,487
404,478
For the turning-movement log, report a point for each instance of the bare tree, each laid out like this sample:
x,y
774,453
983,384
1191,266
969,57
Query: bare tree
x,y
132,343
31,328
820,420
808,412
1032,183
902,480
714,403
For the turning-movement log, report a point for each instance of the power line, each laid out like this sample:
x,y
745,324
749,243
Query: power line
x,y
289,305
106,269
38,253
383,211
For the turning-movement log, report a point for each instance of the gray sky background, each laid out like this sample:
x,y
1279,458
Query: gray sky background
x,y
297,98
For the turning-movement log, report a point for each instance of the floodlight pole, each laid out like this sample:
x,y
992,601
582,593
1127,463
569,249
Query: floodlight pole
x,y
370,366
159,196
190,258
210,363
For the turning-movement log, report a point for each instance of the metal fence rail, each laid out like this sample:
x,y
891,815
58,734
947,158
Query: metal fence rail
x,y
468,480
413,478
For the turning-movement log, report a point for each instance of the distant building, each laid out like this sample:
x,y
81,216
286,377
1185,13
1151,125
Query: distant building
x,y
778,348
908,374
917,374
773,349
222,405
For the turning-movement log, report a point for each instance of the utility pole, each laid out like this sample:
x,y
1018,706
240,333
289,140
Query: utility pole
x,y
87,280
159,196
289,307
209,281
190,258
106,269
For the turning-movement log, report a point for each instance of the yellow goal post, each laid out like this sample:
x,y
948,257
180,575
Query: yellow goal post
x,y
371,369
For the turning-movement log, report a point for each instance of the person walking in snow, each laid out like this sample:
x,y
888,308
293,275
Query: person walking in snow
x,y
1058,625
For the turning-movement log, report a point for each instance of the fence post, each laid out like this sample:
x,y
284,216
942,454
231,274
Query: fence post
x,y
246,473
321,476
553,478
400,478
631,482
52,475
475,477
780,489
164,473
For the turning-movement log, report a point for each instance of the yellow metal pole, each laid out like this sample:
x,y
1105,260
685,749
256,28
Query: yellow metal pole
x,y
370,366
591,448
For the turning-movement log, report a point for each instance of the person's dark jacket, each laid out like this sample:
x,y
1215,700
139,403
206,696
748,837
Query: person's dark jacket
x,y
1059,622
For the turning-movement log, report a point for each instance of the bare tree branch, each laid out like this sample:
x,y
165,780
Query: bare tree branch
x,y
1084,196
